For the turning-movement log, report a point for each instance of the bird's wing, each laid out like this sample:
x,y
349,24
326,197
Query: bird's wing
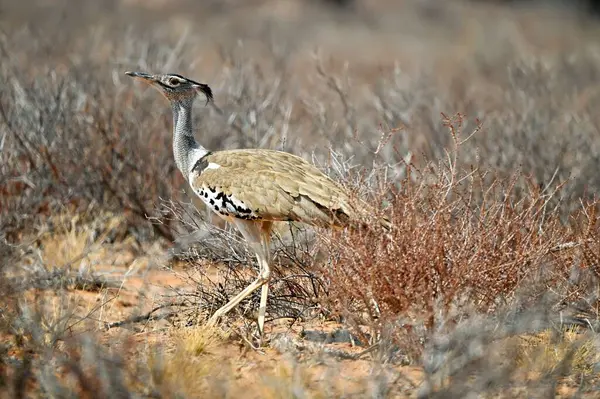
x,y
271,185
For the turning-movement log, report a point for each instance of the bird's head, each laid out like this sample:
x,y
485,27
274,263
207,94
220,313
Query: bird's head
x,y
175,87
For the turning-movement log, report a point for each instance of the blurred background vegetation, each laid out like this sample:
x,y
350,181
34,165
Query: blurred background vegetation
x,y
293,75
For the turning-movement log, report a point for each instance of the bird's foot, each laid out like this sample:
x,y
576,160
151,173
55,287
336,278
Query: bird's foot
x,y
261,338
262,341
214,319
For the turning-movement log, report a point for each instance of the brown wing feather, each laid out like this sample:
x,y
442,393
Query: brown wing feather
x,y
275,185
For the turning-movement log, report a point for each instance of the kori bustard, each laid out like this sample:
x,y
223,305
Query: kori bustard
x,y
250,188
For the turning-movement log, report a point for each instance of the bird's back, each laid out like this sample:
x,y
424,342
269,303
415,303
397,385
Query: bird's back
x,y
258,184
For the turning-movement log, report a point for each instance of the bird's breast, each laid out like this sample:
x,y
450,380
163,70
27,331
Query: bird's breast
x,y
225,204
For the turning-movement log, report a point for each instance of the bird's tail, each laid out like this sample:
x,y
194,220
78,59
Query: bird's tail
x,y
367,218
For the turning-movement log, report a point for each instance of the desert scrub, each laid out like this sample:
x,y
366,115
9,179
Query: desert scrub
x,y
460,242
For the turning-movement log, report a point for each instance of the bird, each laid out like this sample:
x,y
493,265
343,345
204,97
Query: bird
x,y
251,188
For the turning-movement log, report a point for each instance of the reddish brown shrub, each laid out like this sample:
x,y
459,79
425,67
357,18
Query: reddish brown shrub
x,y
461,241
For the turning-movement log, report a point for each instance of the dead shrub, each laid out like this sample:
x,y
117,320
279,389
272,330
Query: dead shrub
x,y
462,241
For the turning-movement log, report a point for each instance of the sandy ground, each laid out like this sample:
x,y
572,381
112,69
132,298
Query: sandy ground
x,y
315,356
320,351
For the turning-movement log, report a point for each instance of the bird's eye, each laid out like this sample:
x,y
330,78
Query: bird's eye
x,y
174,81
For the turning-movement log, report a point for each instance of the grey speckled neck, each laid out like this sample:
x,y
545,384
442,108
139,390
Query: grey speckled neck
x,y
186,149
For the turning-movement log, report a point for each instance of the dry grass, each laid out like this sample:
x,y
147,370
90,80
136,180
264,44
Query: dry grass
x,y
197,341
192,367
71,243
546,351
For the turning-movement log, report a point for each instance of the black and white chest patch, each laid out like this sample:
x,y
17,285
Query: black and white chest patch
x,y
216,199
225,204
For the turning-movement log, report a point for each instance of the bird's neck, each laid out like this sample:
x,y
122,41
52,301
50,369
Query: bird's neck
x,y
186,150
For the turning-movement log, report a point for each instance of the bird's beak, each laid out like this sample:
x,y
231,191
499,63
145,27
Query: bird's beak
x,y
141,75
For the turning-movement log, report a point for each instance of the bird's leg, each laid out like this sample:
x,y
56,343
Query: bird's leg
x,y
259,237
265,271
238,298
